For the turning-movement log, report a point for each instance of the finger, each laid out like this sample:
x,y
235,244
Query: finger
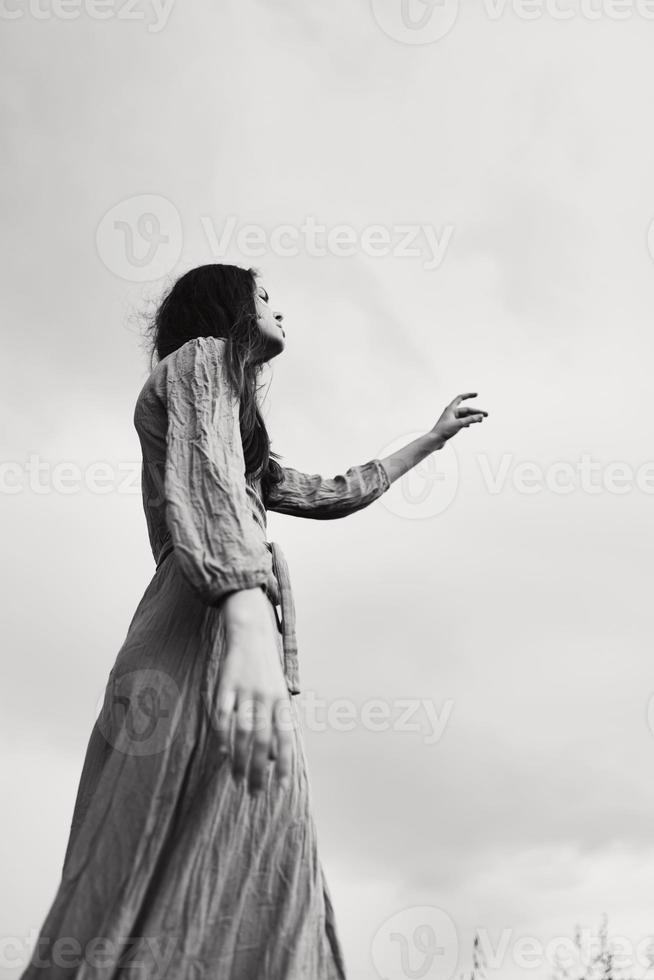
x,y
224,718
459,398
284,738
469,410
260,746
471,420
242,735
272,752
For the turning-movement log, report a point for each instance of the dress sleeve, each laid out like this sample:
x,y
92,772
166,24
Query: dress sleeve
x,y
323,498
218,543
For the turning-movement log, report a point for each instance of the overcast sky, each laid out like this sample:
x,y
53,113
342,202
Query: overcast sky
x,y
437,204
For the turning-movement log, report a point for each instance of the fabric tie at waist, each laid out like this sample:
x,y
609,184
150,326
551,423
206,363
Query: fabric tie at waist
x,y
289,639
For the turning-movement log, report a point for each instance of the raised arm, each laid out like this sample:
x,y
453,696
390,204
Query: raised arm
x,y
325,498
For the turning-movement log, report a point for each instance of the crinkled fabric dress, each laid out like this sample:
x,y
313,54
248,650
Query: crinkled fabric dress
x,y
173,869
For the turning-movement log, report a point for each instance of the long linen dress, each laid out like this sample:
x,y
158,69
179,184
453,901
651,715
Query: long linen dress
x,y
173,869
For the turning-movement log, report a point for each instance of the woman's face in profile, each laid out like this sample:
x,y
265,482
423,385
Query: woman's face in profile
x,y
270,322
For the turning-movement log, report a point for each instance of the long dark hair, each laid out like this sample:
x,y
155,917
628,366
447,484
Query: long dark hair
x,y
218,301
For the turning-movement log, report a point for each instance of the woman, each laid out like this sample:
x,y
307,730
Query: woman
x,y
192,851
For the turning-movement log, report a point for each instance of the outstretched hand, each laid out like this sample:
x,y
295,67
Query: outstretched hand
x,y
457,416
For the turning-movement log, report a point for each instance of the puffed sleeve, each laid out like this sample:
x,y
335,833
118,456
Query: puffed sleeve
x,y
323,498
218,543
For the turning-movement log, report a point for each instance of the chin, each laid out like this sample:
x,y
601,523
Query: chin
x,y
274,346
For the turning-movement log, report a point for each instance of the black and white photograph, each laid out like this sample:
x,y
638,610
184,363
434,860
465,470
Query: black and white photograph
x,y
327,482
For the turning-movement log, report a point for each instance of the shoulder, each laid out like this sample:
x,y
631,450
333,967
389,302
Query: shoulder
x,y
208,349
201,356
200,359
